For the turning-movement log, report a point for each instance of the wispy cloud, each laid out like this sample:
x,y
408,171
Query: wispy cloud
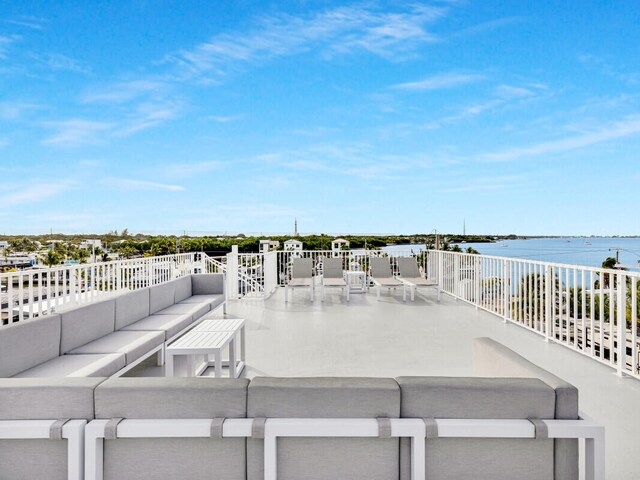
x,y
34,192
14,110
339,31
624,128
604,67
76,132
441,81
187,170
148,115
5,43
122,92
32,23
134,184
225,118
61,63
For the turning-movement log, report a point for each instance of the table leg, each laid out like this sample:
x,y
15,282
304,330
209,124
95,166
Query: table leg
x,y
242,344
191,369
168,364
232,358
218,364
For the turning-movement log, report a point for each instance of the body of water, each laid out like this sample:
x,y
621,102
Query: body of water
x,y
575,250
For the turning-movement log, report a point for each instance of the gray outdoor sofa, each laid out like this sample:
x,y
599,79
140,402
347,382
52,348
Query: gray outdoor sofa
x,y
337,428
108,337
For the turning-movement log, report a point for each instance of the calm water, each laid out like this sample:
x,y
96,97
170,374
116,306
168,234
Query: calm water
x,y
575,251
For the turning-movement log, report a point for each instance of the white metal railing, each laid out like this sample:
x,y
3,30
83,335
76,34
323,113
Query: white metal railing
x,y
591,310
29,293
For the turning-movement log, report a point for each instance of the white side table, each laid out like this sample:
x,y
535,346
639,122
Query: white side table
x,y
234,325
208,344
357,280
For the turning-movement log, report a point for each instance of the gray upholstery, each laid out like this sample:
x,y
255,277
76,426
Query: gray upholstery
x,y
213,300
28,343
332,268
47,398
169,324
302,268
325,397
207,283
98,365
133,344
33,459
194,310
174,397
481,459
87,323
380,267
494,359
132,307
192,458
183,288
408,267
161,296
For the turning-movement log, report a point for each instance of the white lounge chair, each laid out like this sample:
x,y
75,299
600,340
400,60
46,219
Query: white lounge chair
x,y
410,276
301,276
382,276
332,275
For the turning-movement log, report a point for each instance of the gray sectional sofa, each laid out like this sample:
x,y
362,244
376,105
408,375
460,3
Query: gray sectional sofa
x,y
205,404
108,337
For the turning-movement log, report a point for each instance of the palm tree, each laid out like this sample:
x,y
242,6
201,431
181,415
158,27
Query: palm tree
x,y
51,259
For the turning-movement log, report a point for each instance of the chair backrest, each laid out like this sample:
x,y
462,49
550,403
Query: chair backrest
x,y
326,458
302,268
178,398
87,323
131,307
380,267
332,268
408,267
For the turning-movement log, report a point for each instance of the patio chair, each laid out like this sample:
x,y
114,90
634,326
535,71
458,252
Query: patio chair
x,y
410,276
382,276
301,277
332,275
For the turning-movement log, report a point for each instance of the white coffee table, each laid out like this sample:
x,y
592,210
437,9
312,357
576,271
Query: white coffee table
x,y
209,344
235,325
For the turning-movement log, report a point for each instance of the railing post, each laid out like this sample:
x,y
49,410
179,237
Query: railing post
x,y
232,272
477,271
439,265
622,323
548,305
506,287
456,275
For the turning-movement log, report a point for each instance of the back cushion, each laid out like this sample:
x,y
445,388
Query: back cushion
x,y
183,288
193,458
326,458
161,296
131,307
87,323
480,459
207,283
28,343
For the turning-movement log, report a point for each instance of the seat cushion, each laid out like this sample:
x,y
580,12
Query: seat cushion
x,y
334,282
132,307
420,282
28,343
194,310
301,282
388,282
213,300
133,344
169,324
96,365
86,324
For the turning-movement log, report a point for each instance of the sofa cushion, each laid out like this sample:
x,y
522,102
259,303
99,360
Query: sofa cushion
x,y
194,310
161,296
33,459
326,458
207,283
183,288
131,307
172,397
484,459
47,398
133,344
169,324
213,300
87,323
28,343
161,458
96,365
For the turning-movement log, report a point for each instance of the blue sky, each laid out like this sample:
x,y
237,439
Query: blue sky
x,y
356,117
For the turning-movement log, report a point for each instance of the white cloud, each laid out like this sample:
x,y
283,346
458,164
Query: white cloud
x,y
58,62
225,118
34,192
627,127
186,170
439,82
76,132
134,184
5,43
122,92
342,30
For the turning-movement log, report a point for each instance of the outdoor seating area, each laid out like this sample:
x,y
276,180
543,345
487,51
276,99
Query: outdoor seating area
x,y
410,427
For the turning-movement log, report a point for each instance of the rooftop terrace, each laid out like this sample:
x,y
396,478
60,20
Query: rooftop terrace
x,y
389,338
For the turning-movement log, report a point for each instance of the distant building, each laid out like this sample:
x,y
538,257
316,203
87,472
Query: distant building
x,y
339,244
4,244
91,243
266,245
293,245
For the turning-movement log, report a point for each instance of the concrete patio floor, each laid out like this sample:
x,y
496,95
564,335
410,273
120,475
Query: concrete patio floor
x,y
389,338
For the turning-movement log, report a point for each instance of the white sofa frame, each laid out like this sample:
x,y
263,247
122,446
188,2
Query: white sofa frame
x,y
414,428
73,431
